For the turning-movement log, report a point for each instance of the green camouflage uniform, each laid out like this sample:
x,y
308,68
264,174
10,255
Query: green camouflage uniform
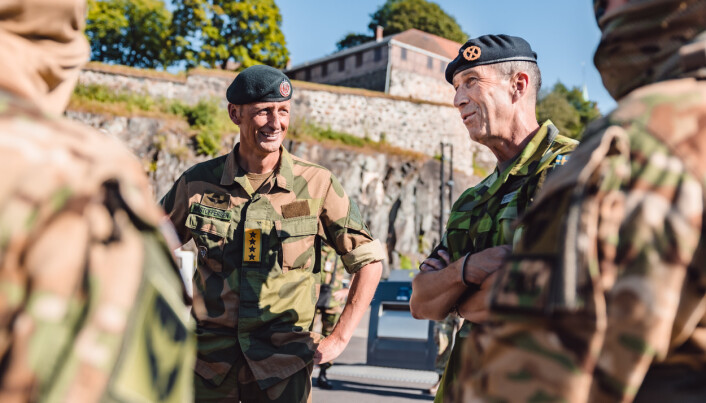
x,y
91,301
444,338
484,215
332,273
256,280
604,298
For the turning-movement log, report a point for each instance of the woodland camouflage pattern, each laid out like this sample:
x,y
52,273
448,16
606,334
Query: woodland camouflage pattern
x,y
604,298
332,273
91,305
484,215
257,274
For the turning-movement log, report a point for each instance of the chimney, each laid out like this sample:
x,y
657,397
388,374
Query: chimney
x,y
378,33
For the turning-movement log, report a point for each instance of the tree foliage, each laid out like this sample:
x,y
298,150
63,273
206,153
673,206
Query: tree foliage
x,y
129,32
212,32
400,15
567,109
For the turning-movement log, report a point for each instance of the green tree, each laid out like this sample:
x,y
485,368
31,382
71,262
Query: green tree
x,y
567,109
212,32
129,32
400,15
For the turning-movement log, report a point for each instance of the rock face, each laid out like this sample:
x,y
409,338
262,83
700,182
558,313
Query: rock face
x,y
398,196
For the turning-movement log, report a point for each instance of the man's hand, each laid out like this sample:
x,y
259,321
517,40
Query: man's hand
x,y
475,307
329,348
361,292
341,295
431,264
486,262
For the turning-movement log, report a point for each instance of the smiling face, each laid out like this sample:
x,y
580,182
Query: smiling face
x,y
485,100
263,126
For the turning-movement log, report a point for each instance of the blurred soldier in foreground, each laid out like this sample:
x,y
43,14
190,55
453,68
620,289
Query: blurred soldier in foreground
x,y
91,305
496,79
604,298
332,298
258,216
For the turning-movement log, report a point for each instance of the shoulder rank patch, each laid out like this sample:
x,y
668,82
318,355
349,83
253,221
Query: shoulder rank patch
x,y
251,246
561,159
508,197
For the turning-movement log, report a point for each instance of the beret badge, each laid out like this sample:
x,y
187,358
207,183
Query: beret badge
x,y
284,88
471,53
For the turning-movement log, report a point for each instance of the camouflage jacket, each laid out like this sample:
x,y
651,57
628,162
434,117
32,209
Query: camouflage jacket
x,y
607,286
484,216
257,271
91,304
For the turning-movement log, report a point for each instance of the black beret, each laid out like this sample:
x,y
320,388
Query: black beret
x,y
259,83
490,49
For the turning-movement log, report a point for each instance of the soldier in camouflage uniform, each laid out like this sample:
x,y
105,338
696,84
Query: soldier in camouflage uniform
x,y
91,303
604,298
332,298
496,80
258,216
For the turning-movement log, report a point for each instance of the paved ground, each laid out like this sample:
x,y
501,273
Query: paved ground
x,y
355,382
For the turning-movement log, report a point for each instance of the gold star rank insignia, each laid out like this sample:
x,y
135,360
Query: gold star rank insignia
x,y
251,246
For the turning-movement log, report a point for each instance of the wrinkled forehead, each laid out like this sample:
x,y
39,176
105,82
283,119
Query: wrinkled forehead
x,y
57,20
484,71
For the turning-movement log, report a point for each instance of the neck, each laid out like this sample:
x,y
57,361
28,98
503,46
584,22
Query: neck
x,y
521,132
258,164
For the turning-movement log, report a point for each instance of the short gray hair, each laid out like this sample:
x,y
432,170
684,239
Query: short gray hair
x,y
508,69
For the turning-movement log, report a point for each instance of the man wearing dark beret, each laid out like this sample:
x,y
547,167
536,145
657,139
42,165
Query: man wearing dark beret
x,y
258,216
604,296
496,79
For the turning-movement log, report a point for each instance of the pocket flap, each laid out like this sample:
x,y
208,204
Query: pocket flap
x,y
208,225
298,226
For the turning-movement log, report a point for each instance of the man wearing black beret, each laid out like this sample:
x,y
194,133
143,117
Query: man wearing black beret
x,y
258,216
496,79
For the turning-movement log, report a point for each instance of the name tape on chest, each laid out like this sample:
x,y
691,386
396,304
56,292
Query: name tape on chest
x,y
252,245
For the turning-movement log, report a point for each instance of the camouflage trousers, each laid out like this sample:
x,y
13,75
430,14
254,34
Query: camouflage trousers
x,y
453,366
240,385
444,337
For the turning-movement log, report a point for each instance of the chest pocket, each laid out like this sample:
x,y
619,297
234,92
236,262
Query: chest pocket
x,y
296,239
209,228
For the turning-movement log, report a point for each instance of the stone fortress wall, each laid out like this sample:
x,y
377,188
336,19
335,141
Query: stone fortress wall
x,y
402,122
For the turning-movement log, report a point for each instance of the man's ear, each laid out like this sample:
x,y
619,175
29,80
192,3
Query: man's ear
x,y
234,113
521,86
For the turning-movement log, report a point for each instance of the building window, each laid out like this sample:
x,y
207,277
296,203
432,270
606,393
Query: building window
x,y
430,63
324,69
378,54
359,59
307,75
341,64
404,54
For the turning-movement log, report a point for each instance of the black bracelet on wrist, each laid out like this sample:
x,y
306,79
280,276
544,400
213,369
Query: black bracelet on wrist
x,y
463,271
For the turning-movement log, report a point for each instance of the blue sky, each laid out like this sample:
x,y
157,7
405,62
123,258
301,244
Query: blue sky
x,y
562,32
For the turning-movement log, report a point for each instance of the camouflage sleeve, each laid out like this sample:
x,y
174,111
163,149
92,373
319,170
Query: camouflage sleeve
x,y
176,204
346,231
645,233
91,303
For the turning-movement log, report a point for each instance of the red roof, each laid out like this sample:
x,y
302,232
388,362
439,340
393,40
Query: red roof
x,y
429,42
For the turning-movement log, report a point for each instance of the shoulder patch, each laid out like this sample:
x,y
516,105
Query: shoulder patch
x,y
561,159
